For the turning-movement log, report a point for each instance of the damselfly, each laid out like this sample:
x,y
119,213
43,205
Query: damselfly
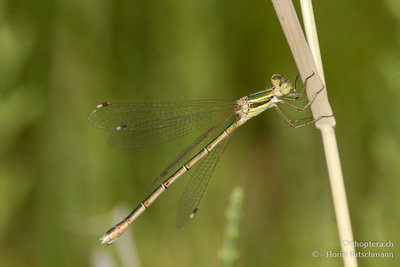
x,y
135,124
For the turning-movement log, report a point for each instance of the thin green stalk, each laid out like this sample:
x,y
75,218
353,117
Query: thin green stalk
x,y
229,253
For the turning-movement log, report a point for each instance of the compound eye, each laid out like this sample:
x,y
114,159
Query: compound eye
x,y
286,87
276,79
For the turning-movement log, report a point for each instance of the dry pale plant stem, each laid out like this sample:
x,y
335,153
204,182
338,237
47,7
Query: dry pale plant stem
x,y
309,61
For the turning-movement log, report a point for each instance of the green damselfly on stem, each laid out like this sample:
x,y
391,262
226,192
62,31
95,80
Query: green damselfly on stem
x,y
136,124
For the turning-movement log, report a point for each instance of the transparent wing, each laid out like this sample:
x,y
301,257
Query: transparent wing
x,y
190,149
136,124
197,185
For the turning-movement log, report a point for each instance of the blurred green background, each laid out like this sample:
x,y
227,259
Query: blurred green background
x,y
61,185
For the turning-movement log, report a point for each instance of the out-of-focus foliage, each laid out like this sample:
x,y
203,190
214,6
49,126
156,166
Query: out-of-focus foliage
x,y
229,254
59,181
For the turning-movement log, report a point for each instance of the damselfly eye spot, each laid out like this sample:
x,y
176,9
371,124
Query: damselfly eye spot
x,y
121,127
276,79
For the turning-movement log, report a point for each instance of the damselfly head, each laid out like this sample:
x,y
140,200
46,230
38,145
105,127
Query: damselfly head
x,y
281,85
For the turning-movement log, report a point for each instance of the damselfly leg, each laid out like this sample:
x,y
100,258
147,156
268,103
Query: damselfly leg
x,y
299,122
